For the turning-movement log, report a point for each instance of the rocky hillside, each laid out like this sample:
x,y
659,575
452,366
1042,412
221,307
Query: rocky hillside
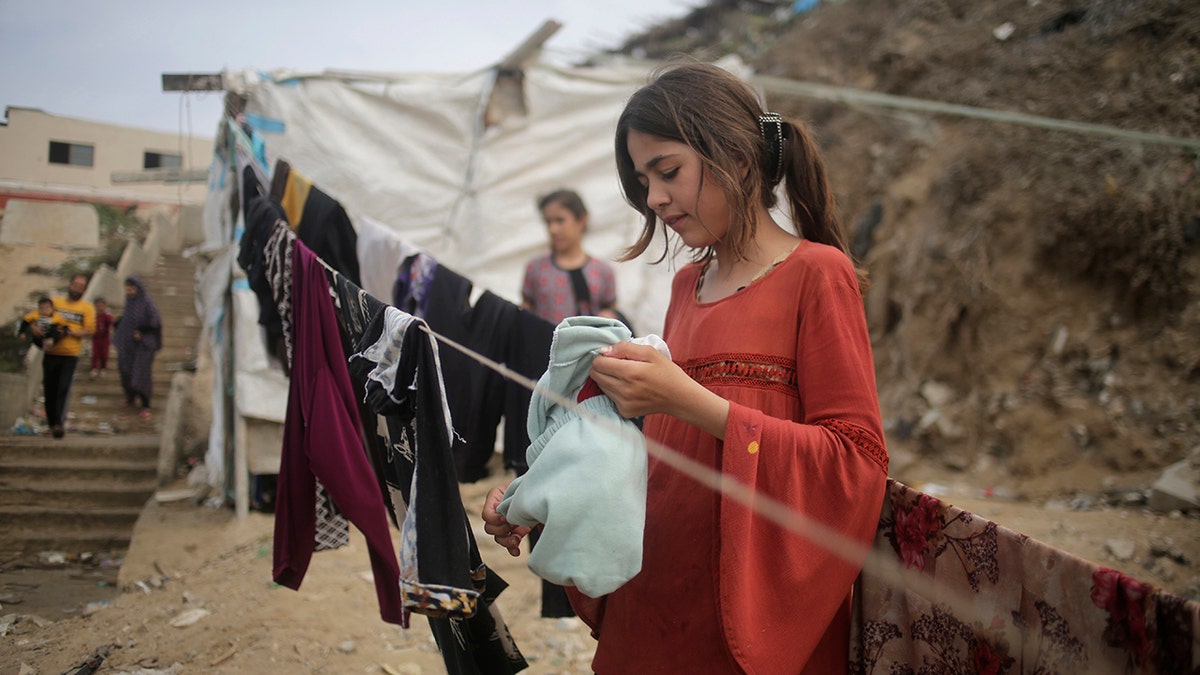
x,y
1035,305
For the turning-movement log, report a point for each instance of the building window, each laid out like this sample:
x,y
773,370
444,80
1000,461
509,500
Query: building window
x,y
161,160
71,153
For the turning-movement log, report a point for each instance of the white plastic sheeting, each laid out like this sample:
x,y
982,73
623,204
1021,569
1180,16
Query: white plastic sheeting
x,y
410,159
411,153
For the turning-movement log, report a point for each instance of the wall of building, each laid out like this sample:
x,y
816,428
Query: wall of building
x,y
26,170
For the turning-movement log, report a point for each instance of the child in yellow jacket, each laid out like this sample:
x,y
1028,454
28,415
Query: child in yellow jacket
x,y
51,325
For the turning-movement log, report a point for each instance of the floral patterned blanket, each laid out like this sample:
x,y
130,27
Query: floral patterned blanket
x,y
1006,604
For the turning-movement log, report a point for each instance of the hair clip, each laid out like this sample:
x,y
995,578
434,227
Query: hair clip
x,y
770,125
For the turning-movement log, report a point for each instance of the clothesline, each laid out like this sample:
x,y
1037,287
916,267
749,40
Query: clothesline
x,y
761,505
773,510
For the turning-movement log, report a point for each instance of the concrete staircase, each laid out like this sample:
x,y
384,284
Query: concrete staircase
x,y
83,493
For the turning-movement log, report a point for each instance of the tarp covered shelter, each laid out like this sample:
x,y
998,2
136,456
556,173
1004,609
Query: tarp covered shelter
x,y
449,163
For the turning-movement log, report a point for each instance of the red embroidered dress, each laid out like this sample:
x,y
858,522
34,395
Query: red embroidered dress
x,y
723,590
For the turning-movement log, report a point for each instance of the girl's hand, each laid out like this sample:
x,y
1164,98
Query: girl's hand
x,y
638,378
505,533
641,381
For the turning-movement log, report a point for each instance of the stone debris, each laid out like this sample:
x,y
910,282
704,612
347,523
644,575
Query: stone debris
x,y
1121,549
189,617
1178,488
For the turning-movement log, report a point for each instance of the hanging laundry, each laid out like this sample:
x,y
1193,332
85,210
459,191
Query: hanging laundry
x,y
380,250
514,336
1032,608
445,578
261,216
318,219
493,327
528,354
332,528
396,365
321,440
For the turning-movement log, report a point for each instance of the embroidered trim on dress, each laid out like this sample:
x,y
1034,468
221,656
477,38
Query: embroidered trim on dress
x,y
859,438
775,373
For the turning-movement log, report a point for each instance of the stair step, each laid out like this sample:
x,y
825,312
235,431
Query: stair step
x,y
108,387
120,423
23,521
103,471
87,397
74,447
79,496
68,466
67,541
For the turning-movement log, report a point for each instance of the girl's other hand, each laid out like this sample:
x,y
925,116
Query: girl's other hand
x,y
505,533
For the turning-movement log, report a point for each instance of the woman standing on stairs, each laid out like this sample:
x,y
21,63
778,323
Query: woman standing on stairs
x,y
138,337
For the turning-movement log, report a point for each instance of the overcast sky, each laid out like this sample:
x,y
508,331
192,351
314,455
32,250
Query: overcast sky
x,y
104,61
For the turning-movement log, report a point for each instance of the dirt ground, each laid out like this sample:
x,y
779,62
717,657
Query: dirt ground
x,y
186,557
198,563
1035,313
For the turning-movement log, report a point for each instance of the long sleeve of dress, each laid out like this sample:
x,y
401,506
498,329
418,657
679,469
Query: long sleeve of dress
x,y
830,466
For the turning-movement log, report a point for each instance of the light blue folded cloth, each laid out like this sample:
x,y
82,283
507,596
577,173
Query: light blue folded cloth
x,y
586,482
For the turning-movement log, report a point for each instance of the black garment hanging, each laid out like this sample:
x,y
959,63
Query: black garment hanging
x,y
260,215
527,353
445,577
479,396
323,225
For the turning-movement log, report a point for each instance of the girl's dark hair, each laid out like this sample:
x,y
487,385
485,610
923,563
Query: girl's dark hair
x,y
717,115
569,199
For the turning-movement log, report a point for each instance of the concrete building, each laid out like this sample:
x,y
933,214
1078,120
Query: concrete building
x,y
55,158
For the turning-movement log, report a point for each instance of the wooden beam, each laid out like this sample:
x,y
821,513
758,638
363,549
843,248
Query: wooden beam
x,y
520,57
160,176
193,82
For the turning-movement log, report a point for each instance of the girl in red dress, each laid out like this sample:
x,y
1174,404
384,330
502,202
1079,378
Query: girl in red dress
x,y
770,382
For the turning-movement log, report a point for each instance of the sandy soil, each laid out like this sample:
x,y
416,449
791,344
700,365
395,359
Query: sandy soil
x,y
186,557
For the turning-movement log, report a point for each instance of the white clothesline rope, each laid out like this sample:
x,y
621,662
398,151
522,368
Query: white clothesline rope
x,y
884,567
833,541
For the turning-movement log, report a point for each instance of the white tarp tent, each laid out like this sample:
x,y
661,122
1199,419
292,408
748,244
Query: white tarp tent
x,y
452,164
412,152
